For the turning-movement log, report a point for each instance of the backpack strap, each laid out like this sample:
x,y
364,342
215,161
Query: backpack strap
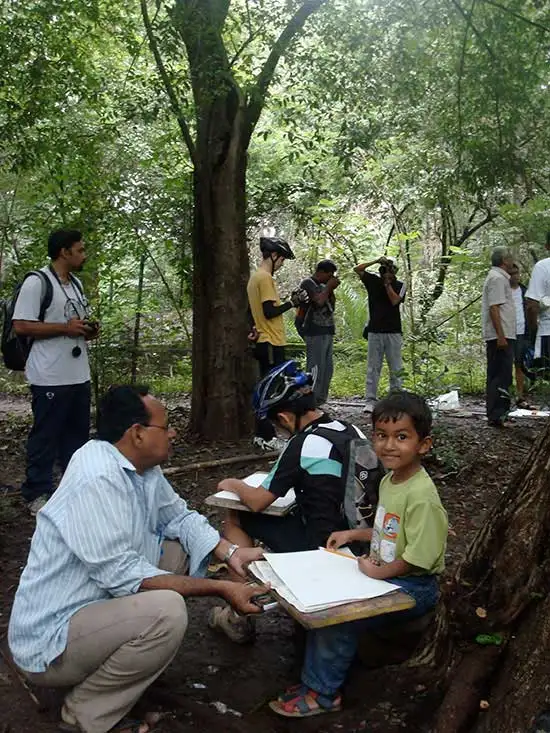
x,y
46,296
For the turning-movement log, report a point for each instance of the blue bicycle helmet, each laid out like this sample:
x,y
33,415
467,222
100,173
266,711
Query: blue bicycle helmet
x,y
286,385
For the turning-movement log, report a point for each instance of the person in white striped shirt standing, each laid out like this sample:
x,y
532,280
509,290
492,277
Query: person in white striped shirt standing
x,y
115,527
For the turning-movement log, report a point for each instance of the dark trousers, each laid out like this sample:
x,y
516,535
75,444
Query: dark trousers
x,y
500,364
267,356
61,426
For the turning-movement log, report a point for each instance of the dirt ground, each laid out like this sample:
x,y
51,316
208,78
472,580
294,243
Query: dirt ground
x,y
214,685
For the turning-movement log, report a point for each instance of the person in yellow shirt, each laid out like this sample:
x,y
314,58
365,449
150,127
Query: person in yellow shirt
x,y
407,547
266,320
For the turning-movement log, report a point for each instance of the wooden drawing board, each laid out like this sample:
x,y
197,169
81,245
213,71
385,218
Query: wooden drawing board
x,y
388,603
238,506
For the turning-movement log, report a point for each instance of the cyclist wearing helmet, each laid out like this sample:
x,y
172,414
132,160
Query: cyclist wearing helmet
x,y
314,463
266,315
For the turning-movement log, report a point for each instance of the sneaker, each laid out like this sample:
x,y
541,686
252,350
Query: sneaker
x,y
267,445
369,407
240,629
36,505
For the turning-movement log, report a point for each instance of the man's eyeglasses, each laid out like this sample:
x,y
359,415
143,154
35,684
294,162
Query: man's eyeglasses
x,y
161,427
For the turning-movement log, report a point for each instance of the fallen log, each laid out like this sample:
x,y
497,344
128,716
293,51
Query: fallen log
x,y
248,458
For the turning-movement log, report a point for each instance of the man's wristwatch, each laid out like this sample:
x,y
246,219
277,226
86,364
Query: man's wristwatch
x,y
230,552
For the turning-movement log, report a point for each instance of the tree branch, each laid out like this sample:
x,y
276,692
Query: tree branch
x,y
447,256
169,87
258,91
518,15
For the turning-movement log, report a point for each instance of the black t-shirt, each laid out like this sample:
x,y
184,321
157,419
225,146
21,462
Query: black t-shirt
x,y
384,317
313,466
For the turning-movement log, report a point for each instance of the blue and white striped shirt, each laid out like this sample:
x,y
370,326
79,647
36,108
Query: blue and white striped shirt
x,y
97,538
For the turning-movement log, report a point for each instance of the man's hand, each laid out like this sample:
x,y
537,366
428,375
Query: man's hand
x,y
93,328
299,297
239,596
76,327
370,568
387,277
502,343
253,335
241,557
340,539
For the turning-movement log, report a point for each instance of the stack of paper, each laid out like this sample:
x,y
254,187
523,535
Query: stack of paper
x,y
255,480
318,579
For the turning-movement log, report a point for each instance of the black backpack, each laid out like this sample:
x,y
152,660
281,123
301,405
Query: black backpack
x,y
15,349
363,473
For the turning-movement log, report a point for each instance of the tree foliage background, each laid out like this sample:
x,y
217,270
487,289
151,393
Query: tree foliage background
x,y
416,129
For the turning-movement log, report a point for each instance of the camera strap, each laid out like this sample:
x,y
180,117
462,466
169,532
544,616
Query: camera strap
x,y
78,293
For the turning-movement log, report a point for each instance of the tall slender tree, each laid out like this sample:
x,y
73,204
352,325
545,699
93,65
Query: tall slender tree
x,y
217,134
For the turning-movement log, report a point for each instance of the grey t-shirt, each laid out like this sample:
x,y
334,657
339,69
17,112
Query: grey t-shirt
x,y
50,362
497,291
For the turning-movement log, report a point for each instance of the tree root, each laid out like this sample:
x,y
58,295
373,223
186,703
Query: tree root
x,y
461,702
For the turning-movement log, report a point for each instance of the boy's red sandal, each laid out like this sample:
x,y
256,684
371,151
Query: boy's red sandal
x,y
302,702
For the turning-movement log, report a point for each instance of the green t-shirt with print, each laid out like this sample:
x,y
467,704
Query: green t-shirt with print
x,y
410,523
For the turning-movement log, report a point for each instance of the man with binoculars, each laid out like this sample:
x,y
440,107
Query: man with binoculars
x,y
383,330
52,311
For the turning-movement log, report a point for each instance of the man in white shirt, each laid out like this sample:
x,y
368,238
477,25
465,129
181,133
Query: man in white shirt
x,y
100,605
537,300
57,367
498,317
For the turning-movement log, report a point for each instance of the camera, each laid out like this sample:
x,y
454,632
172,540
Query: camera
x,y
92,325
387,267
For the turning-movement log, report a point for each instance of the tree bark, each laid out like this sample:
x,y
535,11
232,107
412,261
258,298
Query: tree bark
x,y
220,405
506,572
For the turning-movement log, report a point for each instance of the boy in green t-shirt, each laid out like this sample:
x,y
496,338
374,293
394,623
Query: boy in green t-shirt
x,y
407,546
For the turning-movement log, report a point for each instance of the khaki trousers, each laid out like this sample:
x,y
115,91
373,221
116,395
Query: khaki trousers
x,y
117,648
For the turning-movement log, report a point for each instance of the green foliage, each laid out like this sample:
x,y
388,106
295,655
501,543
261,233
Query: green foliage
x,y
390,127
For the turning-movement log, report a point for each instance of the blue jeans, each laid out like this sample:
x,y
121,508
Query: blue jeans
x,y
330,651
61,426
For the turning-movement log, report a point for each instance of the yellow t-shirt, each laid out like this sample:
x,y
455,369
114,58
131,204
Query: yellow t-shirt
x,y
261,288
410,523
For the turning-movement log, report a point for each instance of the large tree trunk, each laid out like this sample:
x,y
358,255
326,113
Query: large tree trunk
x,y
225,117
220,405
506,572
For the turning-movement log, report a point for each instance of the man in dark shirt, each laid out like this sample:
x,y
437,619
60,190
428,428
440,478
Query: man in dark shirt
x,y
315,323
384,333
315,463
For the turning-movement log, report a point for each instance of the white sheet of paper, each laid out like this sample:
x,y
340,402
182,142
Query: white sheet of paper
x,y
320,578
255,480
262,570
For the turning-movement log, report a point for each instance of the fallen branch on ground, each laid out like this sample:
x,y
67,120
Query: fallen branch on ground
x,y
220,462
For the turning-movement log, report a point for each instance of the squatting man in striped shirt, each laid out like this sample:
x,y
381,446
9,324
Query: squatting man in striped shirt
x,y
115,527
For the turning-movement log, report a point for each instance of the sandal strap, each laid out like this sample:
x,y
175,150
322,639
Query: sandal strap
x,y
311,700
293,692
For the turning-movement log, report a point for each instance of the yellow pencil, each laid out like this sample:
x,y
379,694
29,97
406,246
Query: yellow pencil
x,y
336,552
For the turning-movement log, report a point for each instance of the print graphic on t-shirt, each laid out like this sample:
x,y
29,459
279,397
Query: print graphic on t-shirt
x,y
384,536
